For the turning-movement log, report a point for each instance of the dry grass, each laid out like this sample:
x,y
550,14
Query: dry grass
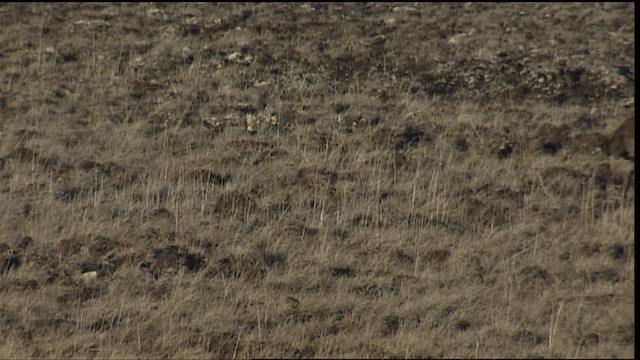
x,y
363,181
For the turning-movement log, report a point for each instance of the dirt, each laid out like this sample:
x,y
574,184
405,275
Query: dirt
x,y
317,180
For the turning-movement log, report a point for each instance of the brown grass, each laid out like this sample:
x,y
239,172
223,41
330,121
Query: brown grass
x,y
315,180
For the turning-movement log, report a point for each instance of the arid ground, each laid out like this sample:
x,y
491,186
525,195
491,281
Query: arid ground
x,y
315,180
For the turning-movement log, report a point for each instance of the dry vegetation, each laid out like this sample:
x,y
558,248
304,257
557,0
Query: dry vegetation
x,y
315,180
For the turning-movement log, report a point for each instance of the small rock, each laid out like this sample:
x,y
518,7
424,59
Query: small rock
x,y
89,277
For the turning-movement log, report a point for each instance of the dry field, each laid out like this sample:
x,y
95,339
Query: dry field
x,y
315,180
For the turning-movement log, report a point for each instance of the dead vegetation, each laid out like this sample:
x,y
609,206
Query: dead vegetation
x,y
316,180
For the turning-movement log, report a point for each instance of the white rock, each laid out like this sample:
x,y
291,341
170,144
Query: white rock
x,y
89,277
